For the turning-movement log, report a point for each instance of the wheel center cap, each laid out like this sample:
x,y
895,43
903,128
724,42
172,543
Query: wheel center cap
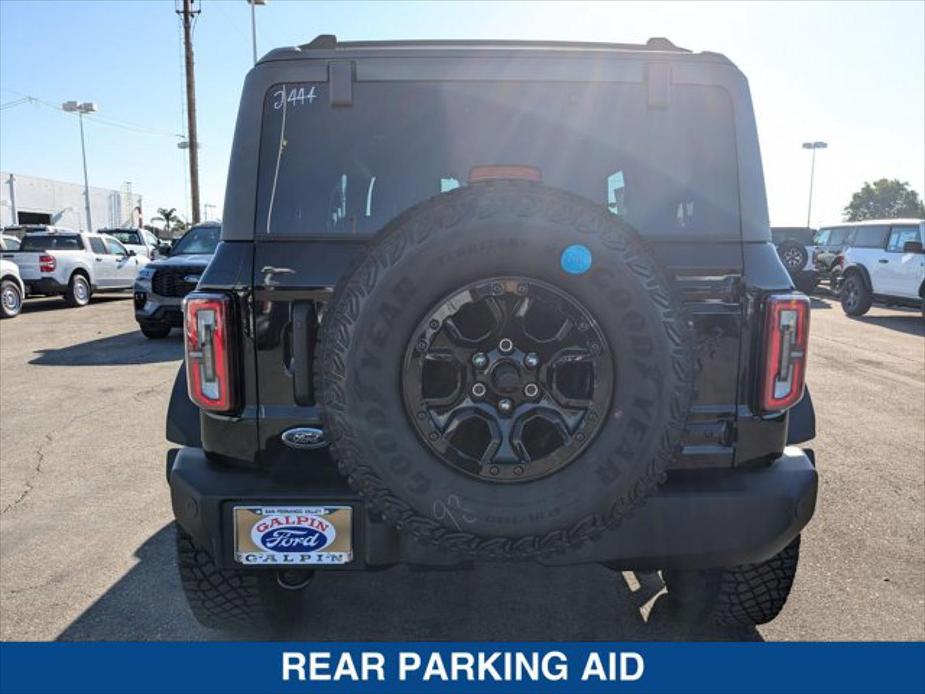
x,y
506,378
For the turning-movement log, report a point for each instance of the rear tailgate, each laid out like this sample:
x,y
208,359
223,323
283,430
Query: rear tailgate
x,y
28,263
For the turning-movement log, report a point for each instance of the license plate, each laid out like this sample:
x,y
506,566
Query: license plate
x,y
287,535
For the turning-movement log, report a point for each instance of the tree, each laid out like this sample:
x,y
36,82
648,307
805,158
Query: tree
x,y
173,224
884,199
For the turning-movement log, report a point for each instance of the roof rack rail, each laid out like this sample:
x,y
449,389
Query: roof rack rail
x,y
329,42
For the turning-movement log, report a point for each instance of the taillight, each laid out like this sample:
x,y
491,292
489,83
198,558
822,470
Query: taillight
x,y
206,325
47,263
786,341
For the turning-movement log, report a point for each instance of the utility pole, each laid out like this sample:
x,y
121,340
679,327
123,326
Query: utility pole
x,y
188,13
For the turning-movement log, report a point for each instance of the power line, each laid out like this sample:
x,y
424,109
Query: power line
x,y
142,129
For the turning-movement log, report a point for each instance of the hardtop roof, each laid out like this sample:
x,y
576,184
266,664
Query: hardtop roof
x,y
326,45
872,222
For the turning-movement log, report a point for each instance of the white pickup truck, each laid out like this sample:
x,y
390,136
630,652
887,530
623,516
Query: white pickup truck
x,y
58,261
888,267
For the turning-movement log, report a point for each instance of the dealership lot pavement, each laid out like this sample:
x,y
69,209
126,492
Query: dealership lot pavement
x,y
86,545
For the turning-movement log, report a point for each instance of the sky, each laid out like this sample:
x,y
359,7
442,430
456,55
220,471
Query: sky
x,y
851,74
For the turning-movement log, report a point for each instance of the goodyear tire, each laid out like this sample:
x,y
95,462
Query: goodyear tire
x,y
745,595
234,600
497,244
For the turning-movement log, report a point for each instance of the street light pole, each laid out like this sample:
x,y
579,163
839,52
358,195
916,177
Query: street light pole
x,y
812,172
81,108
253,4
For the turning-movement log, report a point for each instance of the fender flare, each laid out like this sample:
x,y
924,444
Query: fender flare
x,y
862,271
182,415
801,422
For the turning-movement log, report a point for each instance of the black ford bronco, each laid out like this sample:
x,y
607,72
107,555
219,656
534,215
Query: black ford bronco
x,y
497,301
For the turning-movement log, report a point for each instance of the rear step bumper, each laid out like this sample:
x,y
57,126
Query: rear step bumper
x,y
697,519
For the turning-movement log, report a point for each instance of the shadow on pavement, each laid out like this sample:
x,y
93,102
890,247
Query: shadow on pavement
x,y
515,602
127,348
53,303
910,323
816,302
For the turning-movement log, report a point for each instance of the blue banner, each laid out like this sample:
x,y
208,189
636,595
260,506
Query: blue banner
x,y
228,668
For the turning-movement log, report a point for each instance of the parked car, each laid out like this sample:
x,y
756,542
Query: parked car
x,y
794,246
161,285
482,307
12,289
9,243
892,272
74,265
142,241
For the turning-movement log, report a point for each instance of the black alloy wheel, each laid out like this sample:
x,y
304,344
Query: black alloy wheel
x,y
508,379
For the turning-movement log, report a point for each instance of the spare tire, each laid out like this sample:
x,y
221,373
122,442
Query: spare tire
x,y
506,372
793,254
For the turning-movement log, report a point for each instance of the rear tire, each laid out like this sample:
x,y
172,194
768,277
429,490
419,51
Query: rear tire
x,y
10,299
744,595
234,599
78,291
155,332
856,297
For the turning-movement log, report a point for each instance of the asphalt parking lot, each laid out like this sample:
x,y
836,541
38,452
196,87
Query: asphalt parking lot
x,y
86,543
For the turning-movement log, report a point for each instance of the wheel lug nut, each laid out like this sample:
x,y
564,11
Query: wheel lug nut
x,y
478,390
479,360
506,346
532,360
519,470
531,390
505,405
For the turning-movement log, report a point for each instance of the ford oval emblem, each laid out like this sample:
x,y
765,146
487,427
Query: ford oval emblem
x,y
192,279
293,533
304,437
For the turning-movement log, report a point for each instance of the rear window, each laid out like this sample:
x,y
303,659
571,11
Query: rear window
x,y
48,242
348,171
130,237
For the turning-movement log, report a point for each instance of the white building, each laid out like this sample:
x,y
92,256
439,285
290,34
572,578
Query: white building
x,y
31,200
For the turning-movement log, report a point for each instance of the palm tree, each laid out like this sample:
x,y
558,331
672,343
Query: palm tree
x,y
172,221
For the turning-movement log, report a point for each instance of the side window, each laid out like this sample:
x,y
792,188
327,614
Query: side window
x,y
899,236
150,238
97,246
838,236
822,237
115,247
870,237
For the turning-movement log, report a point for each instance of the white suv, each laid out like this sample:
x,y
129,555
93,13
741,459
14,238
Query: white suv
x,y
893,271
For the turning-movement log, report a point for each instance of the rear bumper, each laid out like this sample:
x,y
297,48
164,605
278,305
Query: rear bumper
x,y
695,520
45,285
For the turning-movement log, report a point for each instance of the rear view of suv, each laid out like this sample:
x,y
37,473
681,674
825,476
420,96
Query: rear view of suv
x,y
492,301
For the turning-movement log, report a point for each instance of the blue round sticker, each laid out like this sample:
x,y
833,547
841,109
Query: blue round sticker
x,y
576,260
